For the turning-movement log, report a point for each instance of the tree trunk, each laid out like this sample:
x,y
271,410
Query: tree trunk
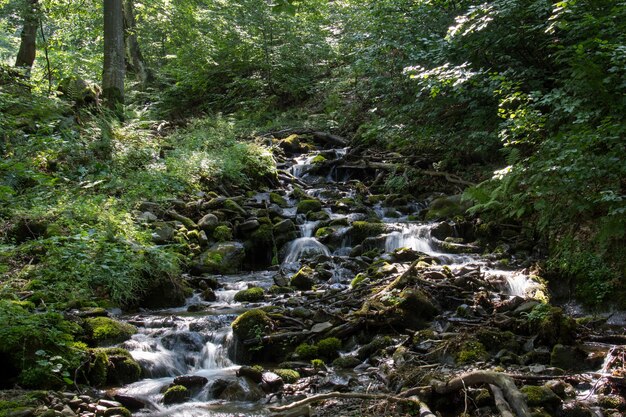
x,y
133,51
28,46
113,70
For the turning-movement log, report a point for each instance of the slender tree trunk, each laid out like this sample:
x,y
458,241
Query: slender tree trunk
x,y
28,46
113,71
133,51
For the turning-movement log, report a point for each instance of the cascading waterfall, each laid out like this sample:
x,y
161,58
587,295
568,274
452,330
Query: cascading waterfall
x,y
413,236
174,342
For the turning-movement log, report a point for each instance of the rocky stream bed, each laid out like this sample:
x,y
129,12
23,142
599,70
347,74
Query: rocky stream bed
x,y
384,304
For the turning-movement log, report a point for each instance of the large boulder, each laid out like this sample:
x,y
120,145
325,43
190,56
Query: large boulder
x,y
222,258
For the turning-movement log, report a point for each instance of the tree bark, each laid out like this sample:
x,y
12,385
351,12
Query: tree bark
x,y
113,71
28,46
133,51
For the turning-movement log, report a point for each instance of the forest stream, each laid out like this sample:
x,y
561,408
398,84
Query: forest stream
x,y
408,301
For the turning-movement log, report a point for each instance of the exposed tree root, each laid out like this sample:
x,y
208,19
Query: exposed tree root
x,y
513,396
424,410
501,404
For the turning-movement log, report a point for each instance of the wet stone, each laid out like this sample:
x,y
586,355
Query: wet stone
x,y
129,402
190,381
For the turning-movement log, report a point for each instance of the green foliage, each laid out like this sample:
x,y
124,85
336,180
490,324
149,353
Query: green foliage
x,y
41,345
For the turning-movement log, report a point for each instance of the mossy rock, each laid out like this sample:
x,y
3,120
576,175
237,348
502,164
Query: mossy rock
x,y
471,351
306,206
288,375
540,396
319,159
447,207
176,394
496,340
163,292
123,369
346,362
222,258
232,206
358,280
250,295
370,349
329,348
361,230
260,246
97,368
415,310
276,289
104,331
304,279
568,357
253,324
553,326
118,411
278,199
292,144
318,216
306,351
223,233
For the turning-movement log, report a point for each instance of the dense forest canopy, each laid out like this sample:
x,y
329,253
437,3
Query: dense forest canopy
x,y
524,98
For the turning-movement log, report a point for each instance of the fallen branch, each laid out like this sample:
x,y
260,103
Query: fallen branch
x,y
424,410
514,397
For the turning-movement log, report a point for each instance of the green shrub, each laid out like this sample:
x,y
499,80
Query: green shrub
x,y
40,346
